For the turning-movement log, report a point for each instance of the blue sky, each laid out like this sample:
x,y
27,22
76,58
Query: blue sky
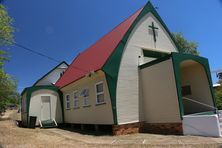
x,y
62,29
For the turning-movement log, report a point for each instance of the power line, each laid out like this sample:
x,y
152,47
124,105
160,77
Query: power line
x,y
38,53
46,56
41,54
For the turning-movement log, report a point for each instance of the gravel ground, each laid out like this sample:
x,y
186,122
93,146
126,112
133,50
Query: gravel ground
x,y
13,136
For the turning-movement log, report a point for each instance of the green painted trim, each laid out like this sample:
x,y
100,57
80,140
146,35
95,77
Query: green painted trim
x,y
176,69
32,89
154,62
178,58
154,54
63,62
111,67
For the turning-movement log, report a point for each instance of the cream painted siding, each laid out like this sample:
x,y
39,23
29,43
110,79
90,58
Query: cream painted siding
x,y
142,36
160,101
127,96
93,114
53,76
35,108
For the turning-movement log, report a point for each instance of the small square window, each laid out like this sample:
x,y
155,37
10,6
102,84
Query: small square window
x,y
86,101
85,95
100,93
99,88
76,99
100,98
186,90
67,101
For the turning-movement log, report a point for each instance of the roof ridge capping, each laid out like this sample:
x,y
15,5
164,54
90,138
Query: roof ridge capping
x,y
111,30
108,39
106,47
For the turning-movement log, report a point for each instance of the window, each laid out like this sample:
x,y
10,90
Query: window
x,y
85,95
67,101
154,54
99,93
186,90
76,99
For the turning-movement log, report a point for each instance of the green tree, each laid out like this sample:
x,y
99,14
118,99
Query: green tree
x,y
185,46
218,95
6,37
8,93
6,29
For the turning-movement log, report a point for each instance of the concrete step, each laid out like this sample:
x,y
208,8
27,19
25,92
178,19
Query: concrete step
x,y
48,124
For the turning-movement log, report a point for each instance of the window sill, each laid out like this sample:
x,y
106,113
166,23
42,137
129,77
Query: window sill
x,y
102,103
86,106
76,108
68,108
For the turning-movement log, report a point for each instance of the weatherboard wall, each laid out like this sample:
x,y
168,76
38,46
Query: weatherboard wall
x,y
160,100
127,96
53,76
93,113
36,105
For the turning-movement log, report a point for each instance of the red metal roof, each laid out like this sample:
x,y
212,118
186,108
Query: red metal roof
x,y
93,58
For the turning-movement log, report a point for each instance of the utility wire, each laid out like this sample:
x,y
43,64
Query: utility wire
x,y
38,53
41,54
57,61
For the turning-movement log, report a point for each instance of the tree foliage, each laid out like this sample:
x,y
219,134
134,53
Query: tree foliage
x,y
8,93
218,95
6,37
185,46
6,29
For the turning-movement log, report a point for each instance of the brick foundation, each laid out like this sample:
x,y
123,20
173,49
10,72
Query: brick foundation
x,y
163,128
141,127
125,129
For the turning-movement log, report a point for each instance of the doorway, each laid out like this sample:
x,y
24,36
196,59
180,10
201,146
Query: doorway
x,y
196,93
45,108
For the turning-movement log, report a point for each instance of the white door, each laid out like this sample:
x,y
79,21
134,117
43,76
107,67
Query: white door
x,y
45,108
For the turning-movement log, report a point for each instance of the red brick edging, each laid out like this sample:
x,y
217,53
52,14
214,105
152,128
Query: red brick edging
x,y
156,128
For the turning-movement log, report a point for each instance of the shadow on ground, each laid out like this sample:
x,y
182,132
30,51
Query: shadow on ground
x,y
90,132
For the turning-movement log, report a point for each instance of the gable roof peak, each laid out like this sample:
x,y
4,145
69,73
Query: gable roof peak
x,y
98,54
63,62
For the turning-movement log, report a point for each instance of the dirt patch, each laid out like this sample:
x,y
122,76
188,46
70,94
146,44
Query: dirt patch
x,y
13,136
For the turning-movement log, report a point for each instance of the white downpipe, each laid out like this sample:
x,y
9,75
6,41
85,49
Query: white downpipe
x,y
40,123
55,122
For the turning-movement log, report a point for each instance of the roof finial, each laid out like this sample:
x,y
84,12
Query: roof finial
x,y
155,7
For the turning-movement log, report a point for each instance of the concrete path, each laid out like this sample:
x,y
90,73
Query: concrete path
x,y
139,140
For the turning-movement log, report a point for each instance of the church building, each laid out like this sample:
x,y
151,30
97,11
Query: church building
x,y
134,80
